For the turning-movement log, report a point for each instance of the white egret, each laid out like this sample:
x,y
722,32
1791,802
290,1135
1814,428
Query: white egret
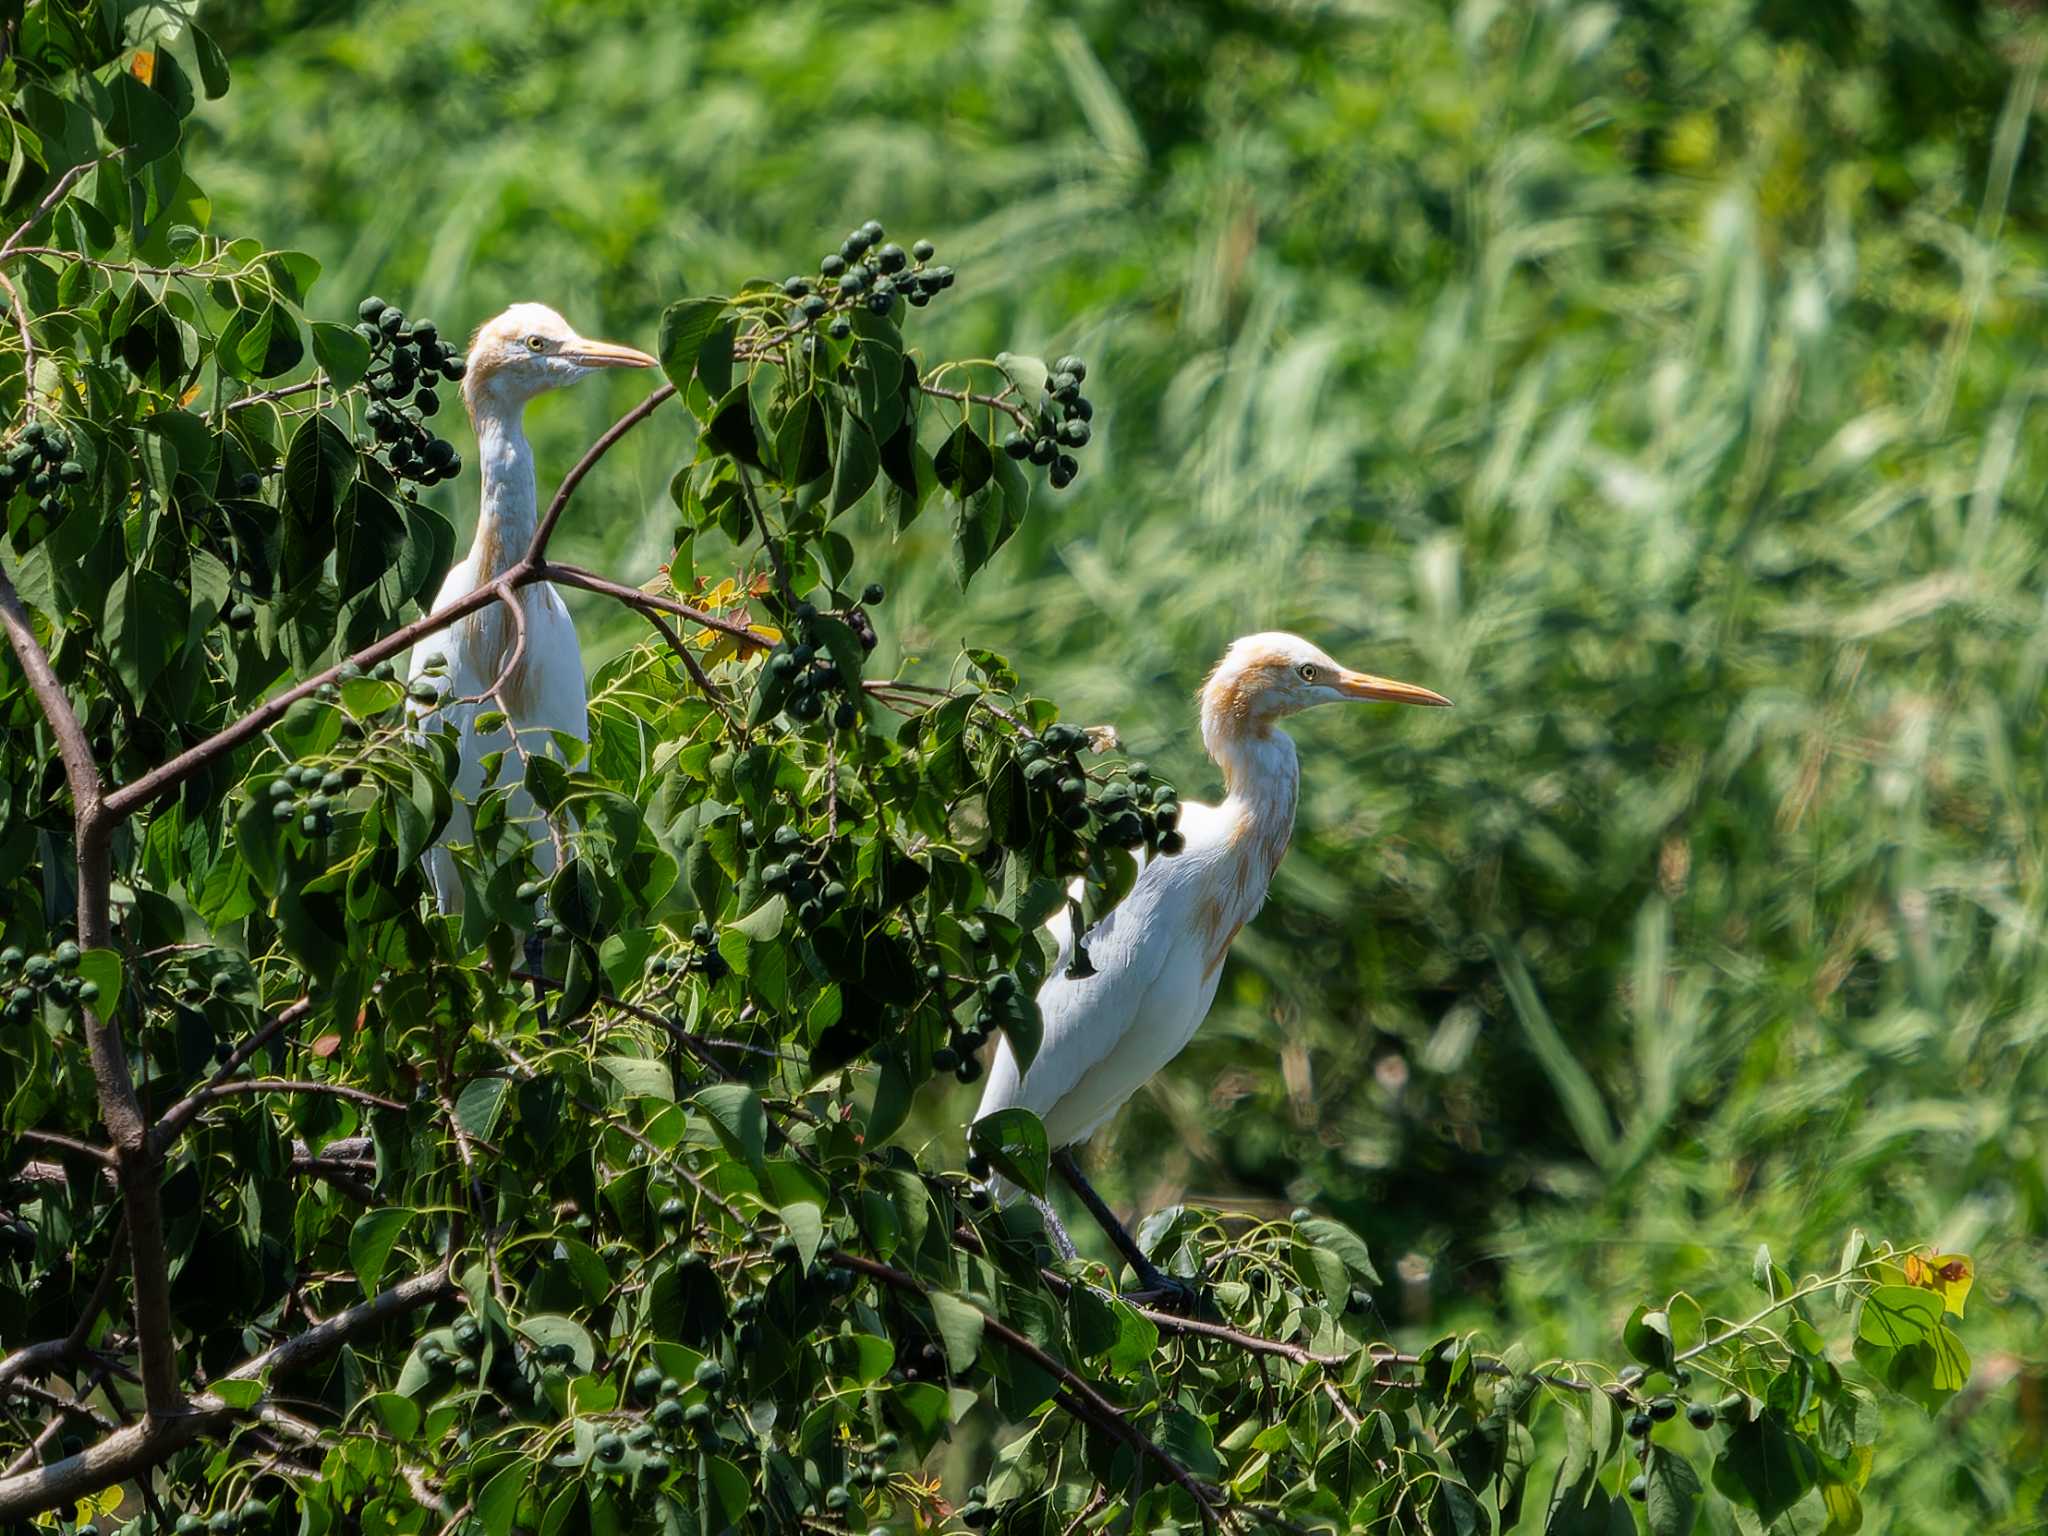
x,y
1157,957
524,352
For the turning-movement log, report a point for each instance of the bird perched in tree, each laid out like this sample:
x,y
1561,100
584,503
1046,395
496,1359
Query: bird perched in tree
x,y
477,665
1157,956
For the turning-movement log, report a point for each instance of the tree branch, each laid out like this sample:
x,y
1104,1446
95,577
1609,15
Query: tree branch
x,y
1077,1396
50,200
537,551
120,1109
80,771
173,1121
362,1096
129,1452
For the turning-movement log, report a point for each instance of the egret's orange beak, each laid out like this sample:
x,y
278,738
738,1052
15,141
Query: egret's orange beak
x,y
1363,685
606,354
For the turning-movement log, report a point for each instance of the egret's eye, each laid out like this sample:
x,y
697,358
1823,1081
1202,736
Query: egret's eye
x,y
1308,671
537,342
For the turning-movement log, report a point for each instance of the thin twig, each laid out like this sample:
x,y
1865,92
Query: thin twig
x,y
67,1144
1077,1395
28,342
174,1120
537,551
289,1085
271,396
13,246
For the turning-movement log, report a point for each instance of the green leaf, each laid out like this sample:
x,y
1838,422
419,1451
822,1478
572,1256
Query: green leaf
x,y
399,1414
742,1123
801,449
1187,1438
370,1242
959,1324
499,1502
213,77
140,121
806,1225
479,1104
1647,1336
320,462
963,462
341,353
1014,1142
1764,1465
547,1328
639,1076
1897,1315
241,1395
684,326
1340,1240
731,429
1673,1505
857,464
1029,374
102,967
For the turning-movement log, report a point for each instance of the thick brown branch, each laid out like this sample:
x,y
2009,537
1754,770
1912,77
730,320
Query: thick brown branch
x,y
80,771
129,1452
120,1109
165,777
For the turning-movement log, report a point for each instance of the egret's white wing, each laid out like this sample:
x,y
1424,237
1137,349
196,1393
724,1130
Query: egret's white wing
x,y
552,699
1105,1034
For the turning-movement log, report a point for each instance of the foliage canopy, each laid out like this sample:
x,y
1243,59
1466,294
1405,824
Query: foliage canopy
x,y
357,1223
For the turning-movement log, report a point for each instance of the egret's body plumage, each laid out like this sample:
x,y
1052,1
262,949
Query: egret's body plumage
x,y
478,665
1158,956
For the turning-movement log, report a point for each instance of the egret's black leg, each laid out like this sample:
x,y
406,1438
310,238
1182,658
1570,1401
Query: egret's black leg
x,y
536,962
1153,1282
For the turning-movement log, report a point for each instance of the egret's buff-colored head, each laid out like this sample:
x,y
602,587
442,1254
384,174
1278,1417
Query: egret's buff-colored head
x,y
1262,678
530,349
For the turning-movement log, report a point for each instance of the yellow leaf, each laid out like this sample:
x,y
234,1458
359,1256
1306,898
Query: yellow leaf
x,y
143,67
1948,1275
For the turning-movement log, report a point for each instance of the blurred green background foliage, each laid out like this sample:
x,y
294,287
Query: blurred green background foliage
x,y
1657,379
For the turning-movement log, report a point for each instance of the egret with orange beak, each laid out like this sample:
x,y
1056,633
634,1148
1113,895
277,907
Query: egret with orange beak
x,y
477,665
1157,957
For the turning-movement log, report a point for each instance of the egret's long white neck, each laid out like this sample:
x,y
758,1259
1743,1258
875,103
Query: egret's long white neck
x,y
1261,774
506,517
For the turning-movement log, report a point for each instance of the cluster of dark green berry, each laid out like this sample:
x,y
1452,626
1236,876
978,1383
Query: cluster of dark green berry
x,y
868,270
802,872
1132,811
869,1470
957,1055
1662,1410
806,680
40,464
408,361
1058,424
251,1514
51,975
702,959
307,793
977,1512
